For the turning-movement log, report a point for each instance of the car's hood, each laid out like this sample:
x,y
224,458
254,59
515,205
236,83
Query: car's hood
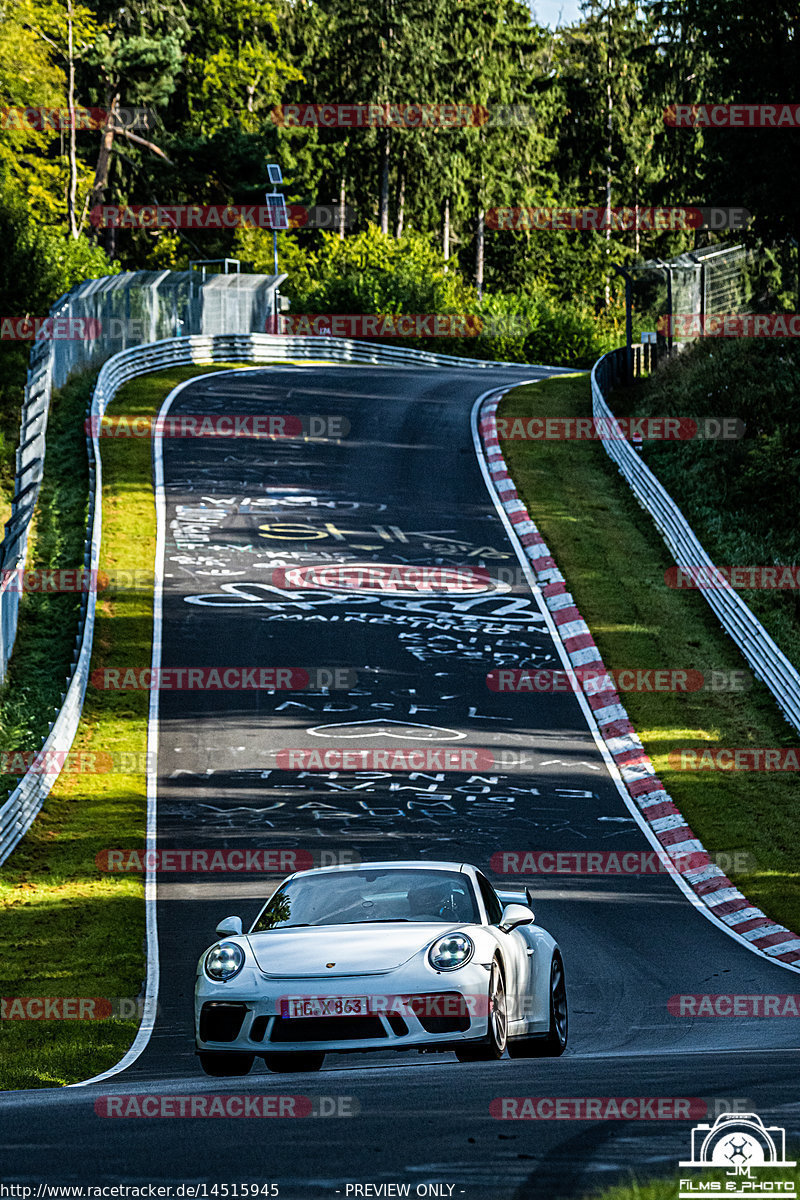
x,y
332,950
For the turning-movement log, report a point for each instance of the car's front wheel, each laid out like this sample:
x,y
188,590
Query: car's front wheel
x,y
219,1063
493,1046
294,1062
554,1042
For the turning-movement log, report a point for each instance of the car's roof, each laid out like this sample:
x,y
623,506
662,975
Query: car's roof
x,y
405,865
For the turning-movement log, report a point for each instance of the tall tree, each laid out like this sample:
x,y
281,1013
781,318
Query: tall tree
x,y
138,57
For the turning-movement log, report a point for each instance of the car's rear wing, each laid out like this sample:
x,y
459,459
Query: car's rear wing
x,y
518,896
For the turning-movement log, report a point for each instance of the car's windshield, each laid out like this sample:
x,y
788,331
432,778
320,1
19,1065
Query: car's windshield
x,y
358,897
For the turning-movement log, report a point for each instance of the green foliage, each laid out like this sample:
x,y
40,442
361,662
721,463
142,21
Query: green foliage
x,y
34,61
558,333
371,273
739,496
39,264
734,50
375,273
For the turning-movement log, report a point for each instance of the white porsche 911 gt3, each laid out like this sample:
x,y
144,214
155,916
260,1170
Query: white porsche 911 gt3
x,y
389,955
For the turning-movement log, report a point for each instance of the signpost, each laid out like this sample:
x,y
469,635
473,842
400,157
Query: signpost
x,y
278,219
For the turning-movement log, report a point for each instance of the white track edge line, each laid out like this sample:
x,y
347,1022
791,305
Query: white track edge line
x,y
147,1025
152,979
588,713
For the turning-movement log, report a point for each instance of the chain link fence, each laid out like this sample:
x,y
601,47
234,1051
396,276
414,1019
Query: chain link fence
x,y
93,321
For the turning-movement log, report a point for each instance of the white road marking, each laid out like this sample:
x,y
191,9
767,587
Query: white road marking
x,y
588,713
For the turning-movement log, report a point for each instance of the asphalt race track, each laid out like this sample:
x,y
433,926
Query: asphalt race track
x,y
403,487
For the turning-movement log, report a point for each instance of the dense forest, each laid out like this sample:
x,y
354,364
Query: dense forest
x,y
177,102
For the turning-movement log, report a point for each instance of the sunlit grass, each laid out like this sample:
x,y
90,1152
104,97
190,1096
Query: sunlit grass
x,y
614,561
668,1189
66,928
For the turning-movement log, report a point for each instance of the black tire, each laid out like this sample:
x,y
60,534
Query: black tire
x,y
554,1042
294,1062
219,1062
494,1045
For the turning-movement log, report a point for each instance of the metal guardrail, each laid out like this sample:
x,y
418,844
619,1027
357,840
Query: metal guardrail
x,y
117,311
19,811
768,662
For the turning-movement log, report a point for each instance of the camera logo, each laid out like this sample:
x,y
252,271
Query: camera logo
x,y
738,1142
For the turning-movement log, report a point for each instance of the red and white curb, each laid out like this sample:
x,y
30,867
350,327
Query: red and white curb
x,y
708,883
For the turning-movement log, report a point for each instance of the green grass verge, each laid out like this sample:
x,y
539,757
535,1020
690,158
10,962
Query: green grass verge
x,y
667,1189
67,929
13,372
48,623
656,1189
614,560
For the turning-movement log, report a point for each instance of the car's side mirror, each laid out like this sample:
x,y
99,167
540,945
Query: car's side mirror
x,y
514,915
230,927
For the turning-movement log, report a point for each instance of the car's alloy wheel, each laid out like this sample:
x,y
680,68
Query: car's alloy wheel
x,y
554,1041
218,1062
294,1062
494,1045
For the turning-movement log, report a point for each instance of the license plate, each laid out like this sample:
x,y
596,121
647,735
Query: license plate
x,y
324,1006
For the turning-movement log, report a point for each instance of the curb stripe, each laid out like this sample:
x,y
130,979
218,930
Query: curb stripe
x,y
708,883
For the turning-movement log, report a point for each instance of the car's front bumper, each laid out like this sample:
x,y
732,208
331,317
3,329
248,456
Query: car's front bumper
x,y
406,1012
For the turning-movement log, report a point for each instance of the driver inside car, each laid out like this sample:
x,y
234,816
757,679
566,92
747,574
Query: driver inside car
x,y
439,902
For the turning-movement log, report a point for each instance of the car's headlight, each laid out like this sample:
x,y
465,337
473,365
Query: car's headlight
x,y
450,952
224,961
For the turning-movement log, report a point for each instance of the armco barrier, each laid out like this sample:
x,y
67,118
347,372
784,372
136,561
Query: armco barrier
x,y
768,663
18,812
128,309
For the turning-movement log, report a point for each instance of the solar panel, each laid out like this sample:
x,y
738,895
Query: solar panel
x,y
277,215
